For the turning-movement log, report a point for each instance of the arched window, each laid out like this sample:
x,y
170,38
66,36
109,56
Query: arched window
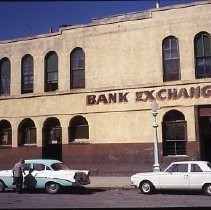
x,y
174,129
27,74
77,68
171,60
78,129
5,133
51,72
27,133
5,76
202,47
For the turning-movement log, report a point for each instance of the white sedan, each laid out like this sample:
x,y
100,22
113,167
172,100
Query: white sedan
x,y
48,174
183,175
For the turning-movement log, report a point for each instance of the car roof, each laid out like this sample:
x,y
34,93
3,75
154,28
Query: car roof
x,y
190,161
42,161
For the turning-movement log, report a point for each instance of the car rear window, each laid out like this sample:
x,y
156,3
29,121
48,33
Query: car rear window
x,y
59,166
195,168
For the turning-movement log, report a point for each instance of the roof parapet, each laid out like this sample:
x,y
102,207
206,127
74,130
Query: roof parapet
x,y
122,17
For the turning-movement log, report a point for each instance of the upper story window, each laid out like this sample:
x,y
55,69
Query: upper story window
x,y
5,76
77,68
171,60
27,74
51,72
202,47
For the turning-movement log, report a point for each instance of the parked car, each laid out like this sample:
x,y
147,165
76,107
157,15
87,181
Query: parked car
x,y
183,175
46,173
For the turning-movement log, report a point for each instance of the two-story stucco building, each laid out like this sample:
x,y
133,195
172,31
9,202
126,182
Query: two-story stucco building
x,y
83,94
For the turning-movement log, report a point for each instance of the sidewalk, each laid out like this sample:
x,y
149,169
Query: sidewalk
x,y
110,182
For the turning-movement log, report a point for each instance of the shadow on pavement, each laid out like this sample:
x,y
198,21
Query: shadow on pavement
x,y
177,192
64,190
81,190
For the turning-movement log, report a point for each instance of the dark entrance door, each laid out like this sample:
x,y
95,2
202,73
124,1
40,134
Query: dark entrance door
x,y
205,137
205,132
52,140
52,151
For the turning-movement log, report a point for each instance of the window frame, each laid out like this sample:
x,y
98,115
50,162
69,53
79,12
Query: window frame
x,y
175,146
51,68
5,76
27,74
77,68
178,166
195,168
171,56
204,58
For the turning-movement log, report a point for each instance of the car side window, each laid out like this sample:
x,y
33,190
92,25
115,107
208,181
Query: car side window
x,y
178,168
195,168
27,166
38,167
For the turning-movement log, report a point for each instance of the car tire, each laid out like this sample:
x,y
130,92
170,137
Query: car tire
x,y
146,187
2,186
52,187
207,189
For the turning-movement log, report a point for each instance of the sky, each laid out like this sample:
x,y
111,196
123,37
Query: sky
x,y
20,19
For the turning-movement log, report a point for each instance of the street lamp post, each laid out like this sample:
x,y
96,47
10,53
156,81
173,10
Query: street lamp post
x,y
154,107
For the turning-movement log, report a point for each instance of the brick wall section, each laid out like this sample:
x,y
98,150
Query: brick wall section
x,y
101,159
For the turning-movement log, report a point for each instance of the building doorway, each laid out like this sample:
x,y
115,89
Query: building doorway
x,y
204,127
52,139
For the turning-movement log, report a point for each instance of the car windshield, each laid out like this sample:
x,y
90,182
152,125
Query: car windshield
x,y
59,166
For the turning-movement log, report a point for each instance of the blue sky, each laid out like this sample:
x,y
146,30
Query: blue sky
x,y
29,18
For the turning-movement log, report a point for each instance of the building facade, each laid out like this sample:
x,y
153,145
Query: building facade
x,y
83,94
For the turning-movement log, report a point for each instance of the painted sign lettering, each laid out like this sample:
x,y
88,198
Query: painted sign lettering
x,y
107,99
151,95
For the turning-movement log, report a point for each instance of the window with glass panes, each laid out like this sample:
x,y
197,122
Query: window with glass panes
x,y
30,135
5,133
51,72
78,129
202,45
5,76
174,129
171,61
27,71
77,69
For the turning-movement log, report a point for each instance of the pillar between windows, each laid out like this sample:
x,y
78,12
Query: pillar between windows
x,y
39,136
14,136
15,81
64,124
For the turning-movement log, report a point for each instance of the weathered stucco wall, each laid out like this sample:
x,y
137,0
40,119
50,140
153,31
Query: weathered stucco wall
x,y
123,57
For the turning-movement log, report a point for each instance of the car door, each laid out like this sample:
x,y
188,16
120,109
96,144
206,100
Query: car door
x,y
197,177
37,173
176,177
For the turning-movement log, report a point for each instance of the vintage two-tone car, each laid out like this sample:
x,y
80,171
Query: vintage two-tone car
x,y
48,174
183,175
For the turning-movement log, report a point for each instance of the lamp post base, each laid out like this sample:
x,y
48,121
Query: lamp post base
x,y
156,168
